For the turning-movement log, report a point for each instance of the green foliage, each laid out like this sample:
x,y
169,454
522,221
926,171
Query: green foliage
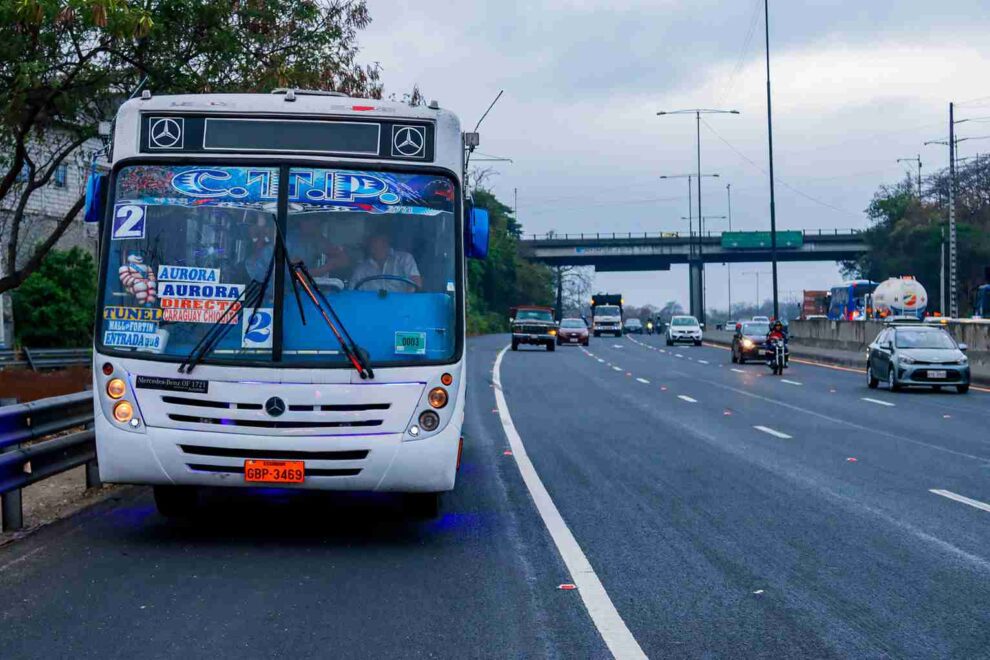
x,y
505,278
906,233
54,306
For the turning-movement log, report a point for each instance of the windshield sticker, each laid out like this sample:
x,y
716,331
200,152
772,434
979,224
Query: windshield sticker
x,y
188,274
201,291
144,327
139,280
410,343
257,328
128,222
316,188
132,314
185,310
142,335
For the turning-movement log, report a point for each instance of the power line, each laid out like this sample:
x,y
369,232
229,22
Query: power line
x,y
729,83
778,179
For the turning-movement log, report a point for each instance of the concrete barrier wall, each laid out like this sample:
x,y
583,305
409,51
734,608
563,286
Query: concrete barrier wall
x,y
857,335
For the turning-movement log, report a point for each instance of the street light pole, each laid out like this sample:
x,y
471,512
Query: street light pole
x,y
728,265
953,301
773,206
697,269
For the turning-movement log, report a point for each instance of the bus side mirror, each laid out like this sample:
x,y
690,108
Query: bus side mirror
x,y
96,193
476,234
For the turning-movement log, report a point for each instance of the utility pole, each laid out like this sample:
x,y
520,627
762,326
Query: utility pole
x,y
916,159
953,298
773,207
728,265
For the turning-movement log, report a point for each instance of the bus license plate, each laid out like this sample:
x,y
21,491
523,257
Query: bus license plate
x,y
274,472
936,374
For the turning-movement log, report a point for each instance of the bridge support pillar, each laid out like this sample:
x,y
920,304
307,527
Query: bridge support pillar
x,y
695,281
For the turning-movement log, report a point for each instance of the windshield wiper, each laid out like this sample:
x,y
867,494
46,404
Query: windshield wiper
x,y
253,295
357,355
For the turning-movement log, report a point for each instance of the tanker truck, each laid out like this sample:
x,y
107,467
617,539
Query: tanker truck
x,y
900,296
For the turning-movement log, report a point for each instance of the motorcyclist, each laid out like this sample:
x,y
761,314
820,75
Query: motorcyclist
x,y
777,333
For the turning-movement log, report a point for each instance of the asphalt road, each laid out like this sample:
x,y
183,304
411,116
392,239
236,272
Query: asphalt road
x,y
727,513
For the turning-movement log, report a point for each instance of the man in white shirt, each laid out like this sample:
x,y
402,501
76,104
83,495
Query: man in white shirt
x,y
383,260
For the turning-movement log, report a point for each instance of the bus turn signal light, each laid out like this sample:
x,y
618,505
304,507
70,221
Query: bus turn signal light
x,y
116,388
123,412
438,397
446,379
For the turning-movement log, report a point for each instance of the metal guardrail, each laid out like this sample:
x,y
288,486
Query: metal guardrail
x,y
550,236
45,358
32,449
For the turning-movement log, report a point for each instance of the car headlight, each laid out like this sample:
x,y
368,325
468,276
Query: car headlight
x,y
747,343
907,360
962,360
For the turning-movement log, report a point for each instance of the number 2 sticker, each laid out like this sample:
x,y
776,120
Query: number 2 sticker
x,y
128,222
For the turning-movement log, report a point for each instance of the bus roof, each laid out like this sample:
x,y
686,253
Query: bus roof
x,y
281,106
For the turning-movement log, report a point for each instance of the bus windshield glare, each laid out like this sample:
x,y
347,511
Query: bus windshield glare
x,y
185,241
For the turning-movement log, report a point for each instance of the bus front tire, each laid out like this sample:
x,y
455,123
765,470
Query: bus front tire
x,y
422,506
176,501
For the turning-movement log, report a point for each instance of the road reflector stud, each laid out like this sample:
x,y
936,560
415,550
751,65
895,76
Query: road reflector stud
x,y
567,587
946,416
727,413
850,460
507,453
758,592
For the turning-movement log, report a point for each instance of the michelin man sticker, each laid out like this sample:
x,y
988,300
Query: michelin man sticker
x,y
128,222
139,280
257,328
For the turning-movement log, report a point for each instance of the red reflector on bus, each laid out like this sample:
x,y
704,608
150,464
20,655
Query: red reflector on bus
x,y
362,108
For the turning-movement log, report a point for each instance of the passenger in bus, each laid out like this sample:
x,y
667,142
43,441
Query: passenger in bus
x,y
259,257
322,257
384,260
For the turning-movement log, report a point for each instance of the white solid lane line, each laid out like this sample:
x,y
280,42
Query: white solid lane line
x,y
738,371
878,402
683,397
603,613
789,382
959,498
643,380
776,434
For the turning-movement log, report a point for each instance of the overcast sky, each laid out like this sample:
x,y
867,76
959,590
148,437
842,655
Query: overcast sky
x,y
856,85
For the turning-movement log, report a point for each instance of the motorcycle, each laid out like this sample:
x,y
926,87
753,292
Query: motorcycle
x,y
777,355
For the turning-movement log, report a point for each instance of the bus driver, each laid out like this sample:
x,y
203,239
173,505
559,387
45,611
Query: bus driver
x,y
386,261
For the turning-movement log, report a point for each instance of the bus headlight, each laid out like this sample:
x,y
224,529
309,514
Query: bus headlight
x,y
116,388
429,421
438,397
123,412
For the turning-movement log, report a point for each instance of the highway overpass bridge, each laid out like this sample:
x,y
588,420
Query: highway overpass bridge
x,y
618,252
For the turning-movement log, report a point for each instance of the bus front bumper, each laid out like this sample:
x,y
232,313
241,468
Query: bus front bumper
x,y
162,456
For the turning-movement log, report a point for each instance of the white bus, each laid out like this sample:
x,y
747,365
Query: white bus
x,y
282,288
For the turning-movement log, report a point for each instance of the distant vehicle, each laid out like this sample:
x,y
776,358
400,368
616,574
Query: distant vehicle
x,y
900,296
848,301
814,304
572,331
606,314
762,319
684,329
748,340
913,354
632,327
533,324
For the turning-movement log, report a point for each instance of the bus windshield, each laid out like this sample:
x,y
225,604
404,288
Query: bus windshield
x,y
184,242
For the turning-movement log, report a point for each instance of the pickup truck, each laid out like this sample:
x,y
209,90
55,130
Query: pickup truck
x,y
533,324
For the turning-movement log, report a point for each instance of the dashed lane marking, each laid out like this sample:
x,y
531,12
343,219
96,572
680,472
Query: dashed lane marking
x,y
617,368
703,362
959,498
878,402
643,380
603,614
738,371
773,432
790,382
684,397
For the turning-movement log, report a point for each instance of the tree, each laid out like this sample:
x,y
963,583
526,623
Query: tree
x,y
65,65
906,233
505,278
572,287
54,306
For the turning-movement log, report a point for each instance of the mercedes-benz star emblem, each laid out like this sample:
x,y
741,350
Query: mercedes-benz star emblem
x,y
408,141
165,133
274,406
